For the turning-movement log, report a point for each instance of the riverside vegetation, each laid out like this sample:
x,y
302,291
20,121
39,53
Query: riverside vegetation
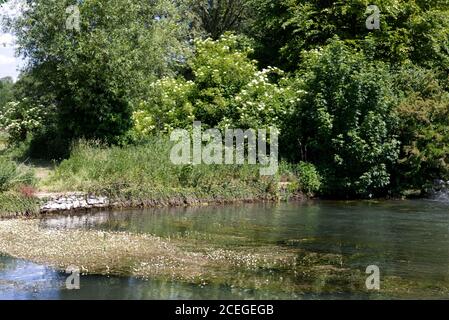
x,y
143,175
366,108
361,113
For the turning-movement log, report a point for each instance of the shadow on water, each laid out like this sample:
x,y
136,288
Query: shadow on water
x,y
23,280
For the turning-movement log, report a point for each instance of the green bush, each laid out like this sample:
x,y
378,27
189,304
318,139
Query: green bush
x,y
267,100
423,111
168,107
309,178
227,90
344,123
302,177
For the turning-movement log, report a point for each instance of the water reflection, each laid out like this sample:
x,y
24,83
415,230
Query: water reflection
x,y
23,280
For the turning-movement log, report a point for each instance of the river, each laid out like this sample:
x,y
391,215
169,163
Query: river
x,y
407,240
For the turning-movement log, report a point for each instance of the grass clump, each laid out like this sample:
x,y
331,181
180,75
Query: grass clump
x,y
12,175
14,204
16,189
145,171
303,176
3,140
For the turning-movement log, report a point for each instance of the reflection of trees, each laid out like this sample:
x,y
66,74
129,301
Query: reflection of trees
x,y
93,287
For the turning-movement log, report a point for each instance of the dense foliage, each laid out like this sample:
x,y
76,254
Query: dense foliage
x,y
345,122
423,111
361,112
410,30
226,90
6,91
95,70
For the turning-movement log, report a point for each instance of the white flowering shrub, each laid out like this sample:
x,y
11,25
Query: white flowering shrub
x,y
262,102
223,64
221,69
227,91
20,118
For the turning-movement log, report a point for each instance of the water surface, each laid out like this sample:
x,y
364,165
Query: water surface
x,y
408,240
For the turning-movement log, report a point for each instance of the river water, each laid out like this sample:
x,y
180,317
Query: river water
x,y
407,240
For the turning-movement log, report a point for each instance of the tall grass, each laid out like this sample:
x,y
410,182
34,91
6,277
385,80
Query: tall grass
x,y
14,204
14,179
146,171
12,175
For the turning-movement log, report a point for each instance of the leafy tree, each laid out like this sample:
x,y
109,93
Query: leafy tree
x,y
96,73
409,29
344,122
219,16
266,27
423,111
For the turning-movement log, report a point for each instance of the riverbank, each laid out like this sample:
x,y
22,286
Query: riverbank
x,y
16,206
139,176
80,202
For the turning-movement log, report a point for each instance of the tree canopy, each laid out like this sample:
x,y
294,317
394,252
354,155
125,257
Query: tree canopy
x,y
95,72
367,108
